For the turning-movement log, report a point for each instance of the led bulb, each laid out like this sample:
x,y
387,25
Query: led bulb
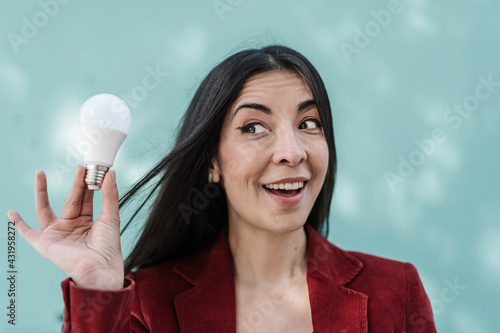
x,y
104,123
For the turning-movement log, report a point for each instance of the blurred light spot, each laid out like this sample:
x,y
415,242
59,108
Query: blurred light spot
x,y
385,84
14,81
405,210
420,22
433,112
66,129
376,66
190,45
489,250
463,319
346,198
63,143
428,186
326,39
447,155
446,243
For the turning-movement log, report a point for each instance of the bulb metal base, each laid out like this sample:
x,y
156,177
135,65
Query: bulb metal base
x,y
94,176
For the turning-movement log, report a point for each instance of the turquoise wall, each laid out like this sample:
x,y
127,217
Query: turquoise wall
x,y
415,102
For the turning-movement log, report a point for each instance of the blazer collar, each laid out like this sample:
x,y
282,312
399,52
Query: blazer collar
x,y
334,307
210,304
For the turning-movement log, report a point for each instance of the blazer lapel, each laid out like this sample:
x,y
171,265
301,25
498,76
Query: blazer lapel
x,y
210,305
334,307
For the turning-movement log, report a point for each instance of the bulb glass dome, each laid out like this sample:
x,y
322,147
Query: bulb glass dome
x,y
106,111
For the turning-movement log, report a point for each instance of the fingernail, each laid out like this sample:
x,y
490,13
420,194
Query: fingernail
x,y
113,177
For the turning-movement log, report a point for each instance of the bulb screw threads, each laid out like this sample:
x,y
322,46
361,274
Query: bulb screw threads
x,y
94,176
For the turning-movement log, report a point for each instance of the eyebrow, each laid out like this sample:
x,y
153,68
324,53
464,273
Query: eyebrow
x,y
259,107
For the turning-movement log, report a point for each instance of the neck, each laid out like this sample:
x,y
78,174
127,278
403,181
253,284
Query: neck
x,y
263,257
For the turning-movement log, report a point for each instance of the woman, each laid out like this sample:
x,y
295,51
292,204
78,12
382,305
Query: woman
x,y
233,239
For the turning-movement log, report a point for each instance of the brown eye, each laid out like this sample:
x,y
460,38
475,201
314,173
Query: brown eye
x,y
252,128
310,124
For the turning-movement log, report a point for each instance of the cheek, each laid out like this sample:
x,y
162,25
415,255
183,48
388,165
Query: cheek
x,y
238,161
320,157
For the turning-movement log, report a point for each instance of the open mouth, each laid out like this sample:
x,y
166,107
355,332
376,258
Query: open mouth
x,y
286,190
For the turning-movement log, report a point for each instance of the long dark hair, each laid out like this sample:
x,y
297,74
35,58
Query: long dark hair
x,y
188,212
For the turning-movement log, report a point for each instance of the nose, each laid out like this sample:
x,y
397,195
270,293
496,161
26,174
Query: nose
x,y
288,149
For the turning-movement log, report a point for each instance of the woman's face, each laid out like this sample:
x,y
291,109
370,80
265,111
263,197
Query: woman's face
x,y
272,137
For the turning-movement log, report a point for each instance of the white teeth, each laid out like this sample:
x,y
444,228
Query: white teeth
x,y
285,186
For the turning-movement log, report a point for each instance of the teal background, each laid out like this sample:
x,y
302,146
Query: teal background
x,y
444,217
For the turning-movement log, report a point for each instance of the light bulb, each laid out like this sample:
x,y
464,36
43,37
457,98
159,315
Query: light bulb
x,y
104,123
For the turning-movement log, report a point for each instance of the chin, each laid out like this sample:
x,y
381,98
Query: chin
x,y
286,225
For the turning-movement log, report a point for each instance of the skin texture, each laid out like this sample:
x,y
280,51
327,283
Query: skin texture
x,y
267,238
89,251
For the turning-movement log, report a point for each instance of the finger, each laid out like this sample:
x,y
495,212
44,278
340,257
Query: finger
x,y
87,203
110,208
28,233
44,213
73,203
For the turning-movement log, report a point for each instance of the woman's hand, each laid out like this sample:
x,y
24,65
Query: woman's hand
x,y
88,251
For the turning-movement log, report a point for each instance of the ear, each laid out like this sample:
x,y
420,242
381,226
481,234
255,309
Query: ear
x,y
215,169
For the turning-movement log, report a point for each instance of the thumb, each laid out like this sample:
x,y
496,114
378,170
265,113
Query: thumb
x,y
110,207
27,232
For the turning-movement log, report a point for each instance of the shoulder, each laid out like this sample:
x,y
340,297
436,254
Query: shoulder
x,y
393,287
395,297
381,268
352,267
380,274
384,281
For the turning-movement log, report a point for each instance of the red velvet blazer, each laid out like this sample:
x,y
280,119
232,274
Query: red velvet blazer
x,y
348,292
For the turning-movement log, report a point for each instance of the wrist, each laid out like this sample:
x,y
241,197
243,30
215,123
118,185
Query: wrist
x,y
101,283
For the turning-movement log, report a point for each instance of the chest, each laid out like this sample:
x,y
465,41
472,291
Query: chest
x,y
265,310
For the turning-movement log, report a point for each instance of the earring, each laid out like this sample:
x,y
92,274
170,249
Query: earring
x,y
210,177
